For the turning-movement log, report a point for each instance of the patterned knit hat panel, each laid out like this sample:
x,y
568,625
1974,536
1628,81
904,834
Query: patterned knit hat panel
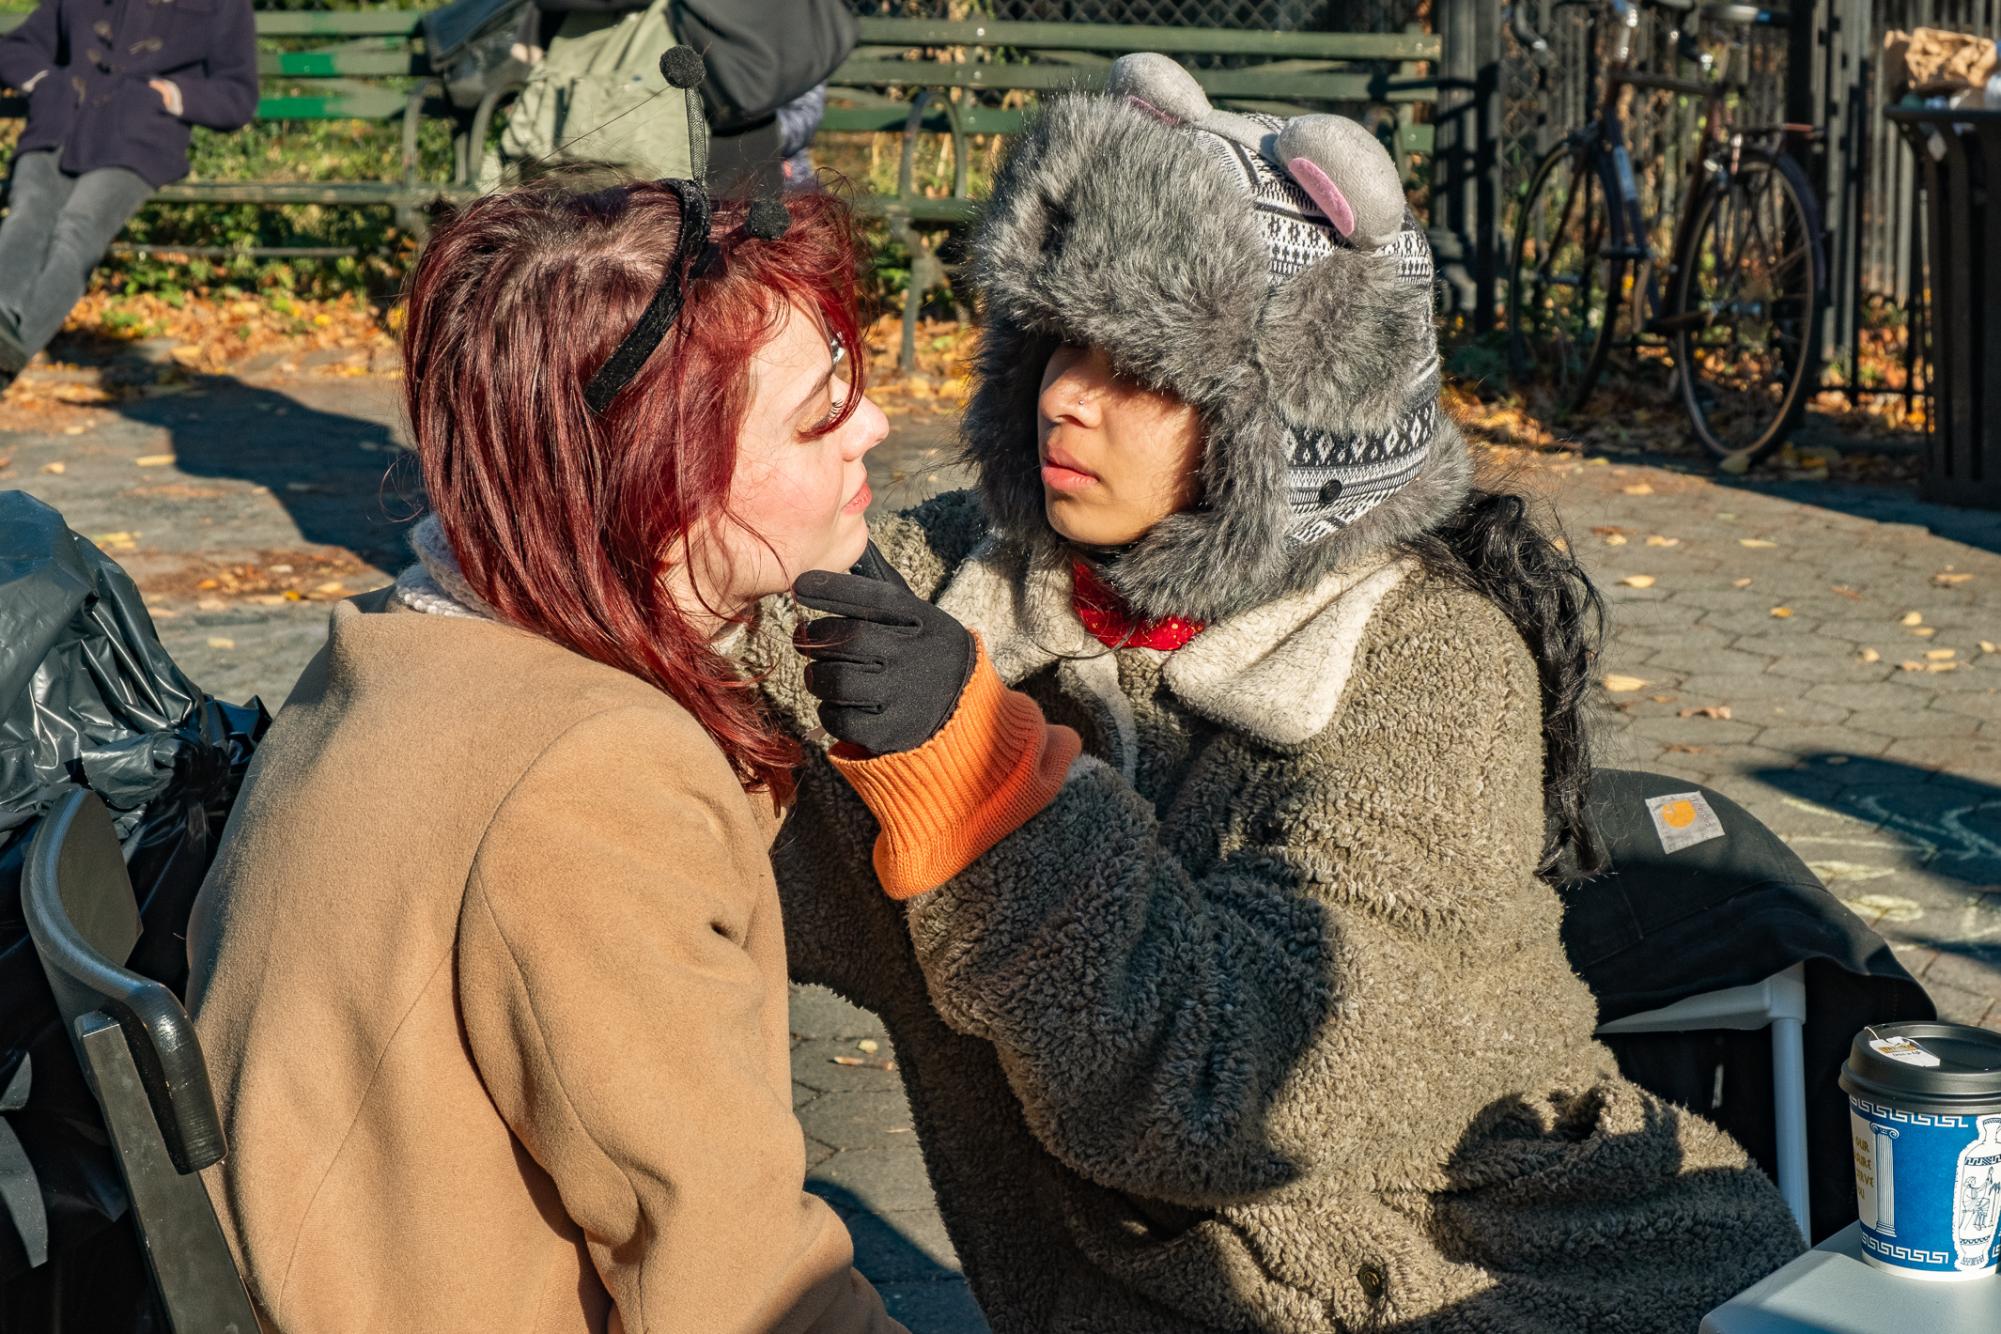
x,y
1331,480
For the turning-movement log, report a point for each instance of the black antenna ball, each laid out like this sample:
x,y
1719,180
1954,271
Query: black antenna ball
x,y
767,219
681,67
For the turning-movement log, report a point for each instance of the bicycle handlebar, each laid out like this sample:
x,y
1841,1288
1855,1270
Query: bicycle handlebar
x,y
1723,11
1531,41
1755,16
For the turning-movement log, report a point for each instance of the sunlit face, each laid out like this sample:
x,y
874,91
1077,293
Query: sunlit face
x,y
799,498
1117,457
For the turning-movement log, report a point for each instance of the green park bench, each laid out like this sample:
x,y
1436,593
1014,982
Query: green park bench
x,y
965,79
897,81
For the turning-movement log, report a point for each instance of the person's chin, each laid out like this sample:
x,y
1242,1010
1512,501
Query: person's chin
x,y
1074,521
841,556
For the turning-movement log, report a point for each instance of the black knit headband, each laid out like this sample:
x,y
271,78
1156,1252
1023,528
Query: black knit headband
x,y
767,220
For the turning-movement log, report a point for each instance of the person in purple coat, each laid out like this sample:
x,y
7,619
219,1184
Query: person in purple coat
x,y
113,87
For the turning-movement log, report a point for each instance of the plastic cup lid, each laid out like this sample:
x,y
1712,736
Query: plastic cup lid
x,y
1944,1065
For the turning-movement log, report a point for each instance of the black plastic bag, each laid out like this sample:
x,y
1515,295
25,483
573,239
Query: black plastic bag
x,y
88,697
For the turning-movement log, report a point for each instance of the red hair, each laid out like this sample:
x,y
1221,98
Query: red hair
x,y
561,517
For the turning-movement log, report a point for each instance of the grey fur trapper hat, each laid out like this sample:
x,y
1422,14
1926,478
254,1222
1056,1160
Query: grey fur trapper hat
x,y
1266,272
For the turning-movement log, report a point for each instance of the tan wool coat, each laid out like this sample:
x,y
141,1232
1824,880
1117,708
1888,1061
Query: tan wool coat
x,y
490,978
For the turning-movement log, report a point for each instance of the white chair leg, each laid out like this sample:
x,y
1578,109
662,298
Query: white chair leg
x,y
1789,1116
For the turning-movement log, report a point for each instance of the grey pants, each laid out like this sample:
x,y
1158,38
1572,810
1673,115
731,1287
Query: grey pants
x,y
57,228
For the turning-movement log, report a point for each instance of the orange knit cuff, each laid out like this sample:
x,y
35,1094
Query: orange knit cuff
x,y
992,766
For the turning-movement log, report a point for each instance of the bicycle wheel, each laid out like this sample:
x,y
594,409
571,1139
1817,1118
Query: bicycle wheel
x,y
1745,305
1562,279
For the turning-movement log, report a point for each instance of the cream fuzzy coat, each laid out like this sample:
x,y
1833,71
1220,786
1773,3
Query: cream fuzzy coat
x,y
491,982
1264,1024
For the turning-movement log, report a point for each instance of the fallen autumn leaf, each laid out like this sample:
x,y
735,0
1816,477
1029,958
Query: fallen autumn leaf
x,y
1620,685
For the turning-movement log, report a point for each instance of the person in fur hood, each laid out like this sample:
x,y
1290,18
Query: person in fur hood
x,y
1260,1022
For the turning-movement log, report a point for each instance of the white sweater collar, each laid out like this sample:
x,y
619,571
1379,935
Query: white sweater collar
x,y
435,584
1277,672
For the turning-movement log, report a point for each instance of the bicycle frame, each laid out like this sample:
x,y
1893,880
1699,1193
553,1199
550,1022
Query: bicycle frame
x,y
1649,269
1717,156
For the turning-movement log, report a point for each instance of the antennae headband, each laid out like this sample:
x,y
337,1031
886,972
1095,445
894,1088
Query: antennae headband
x,y
659,315
767,220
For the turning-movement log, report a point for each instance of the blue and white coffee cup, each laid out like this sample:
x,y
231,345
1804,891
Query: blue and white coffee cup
x,y
1924,1105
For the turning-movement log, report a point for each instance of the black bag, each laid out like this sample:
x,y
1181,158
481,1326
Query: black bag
x,y
470,47
88,697
763,53
1656,927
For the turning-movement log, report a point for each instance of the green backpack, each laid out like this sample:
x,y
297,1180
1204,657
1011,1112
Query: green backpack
x,y
598,97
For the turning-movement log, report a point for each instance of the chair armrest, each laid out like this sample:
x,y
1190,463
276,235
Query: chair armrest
x,y
75,851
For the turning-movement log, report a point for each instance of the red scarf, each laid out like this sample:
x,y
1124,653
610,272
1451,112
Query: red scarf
x,y
1113,624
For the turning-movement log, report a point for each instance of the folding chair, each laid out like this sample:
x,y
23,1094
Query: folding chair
x,y
1780,1002
138,1050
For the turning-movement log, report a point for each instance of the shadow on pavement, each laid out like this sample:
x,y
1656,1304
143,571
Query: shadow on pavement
x,y
1947,826
1895,502
1928,846
926,1296
1883,504
344,479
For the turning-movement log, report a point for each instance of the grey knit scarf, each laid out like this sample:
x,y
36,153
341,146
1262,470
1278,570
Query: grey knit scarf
x,y
436,585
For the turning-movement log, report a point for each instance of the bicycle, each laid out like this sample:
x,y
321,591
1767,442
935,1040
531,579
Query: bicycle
x,y
1746,278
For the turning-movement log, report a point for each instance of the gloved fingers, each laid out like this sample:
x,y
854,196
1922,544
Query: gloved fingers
x,y
849,684
838,637
853,596
873,729
874,565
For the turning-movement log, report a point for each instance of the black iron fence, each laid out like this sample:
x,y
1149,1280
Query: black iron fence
x,y
1824,72
1500,111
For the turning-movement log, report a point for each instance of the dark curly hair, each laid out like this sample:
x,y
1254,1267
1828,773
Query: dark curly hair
x,y
1492,545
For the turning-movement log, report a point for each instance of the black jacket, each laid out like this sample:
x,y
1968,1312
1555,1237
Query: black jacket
x,y
94,104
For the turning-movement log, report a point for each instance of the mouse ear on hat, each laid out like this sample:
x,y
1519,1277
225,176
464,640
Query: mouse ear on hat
x,y
1348,173
1158,87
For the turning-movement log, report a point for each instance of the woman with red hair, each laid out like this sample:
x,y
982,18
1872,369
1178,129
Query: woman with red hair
x,y
489,971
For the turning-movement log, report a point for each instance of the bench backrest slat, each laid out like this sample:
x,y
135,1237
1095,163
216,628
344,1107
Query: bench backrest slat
x,y
338,64
1344,86
344,23
359,23
1117,39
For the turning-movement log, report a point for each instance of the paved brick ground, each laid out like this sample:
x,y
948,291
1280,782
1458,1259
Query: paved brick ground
x,y
1887,780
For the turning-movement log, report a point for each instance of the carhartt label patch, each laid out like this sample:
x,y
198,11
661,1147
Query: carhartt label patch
x,y
1683,819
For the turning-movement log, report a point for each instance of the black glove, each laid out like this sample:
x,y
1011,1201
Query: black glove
x,y
887,666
